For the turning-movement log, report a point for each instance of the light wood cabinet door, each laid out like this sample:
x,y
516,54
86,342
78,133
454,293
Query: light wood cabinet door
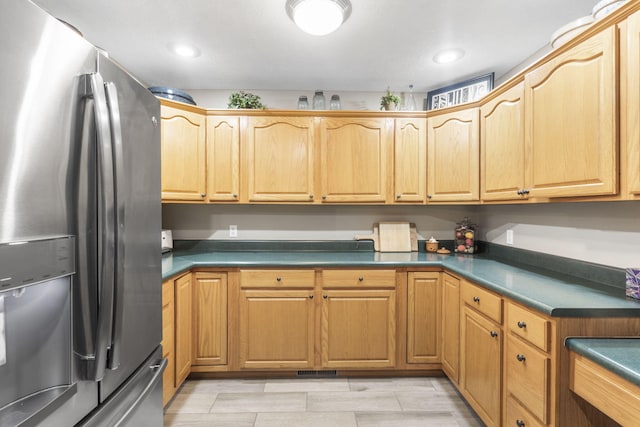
x,y
277,329
183,155
183,322
453,157
630,103
451,326
423,317
410,161
279,159
571,121
502,148
223,159
481,358
168,341
354,159
210,319
358,329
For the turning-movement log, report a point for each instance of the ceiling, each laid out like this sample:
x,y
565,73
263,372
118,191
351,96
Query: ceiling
x,y
252,44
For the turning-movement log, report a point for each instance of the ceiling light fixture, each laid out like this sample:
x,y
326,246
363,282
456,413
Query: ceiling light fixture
x,y
183,49
318,17
448,55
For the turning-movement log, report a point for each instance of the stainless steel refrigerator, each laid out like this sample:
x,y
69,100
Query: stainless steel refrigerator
x,y
80,275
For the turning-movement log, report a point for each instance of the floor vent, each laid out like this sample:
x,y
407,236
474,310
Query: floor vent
x,y
312,373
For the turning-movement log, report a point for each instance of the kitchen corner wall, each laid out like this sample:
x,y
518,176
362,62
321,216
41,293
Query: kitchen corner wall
x,y
602,233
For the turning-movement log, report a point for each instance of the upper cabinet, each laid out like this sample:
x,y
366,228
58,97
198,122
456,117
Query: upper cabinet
x,y
354,159
223,158
183,155
630,104
502,148
410,161
453,157
571,121
279,159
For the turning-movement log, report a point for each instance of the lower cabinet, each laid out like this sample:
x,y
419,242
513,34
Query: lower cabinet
x,y
423,317
168,342
183,322
358,329
451,326
209,319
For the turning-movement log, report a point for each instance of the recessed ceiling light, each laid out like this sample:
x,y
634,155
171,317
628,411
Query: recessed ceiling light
x,y
183,49
448,55
318,17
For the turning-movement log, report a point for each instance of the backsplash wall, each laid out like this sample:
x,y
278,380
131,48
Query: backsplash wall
x,y
602,233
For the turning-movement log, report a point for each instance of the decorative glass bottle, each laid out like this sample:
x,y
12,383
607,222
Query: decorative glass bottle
x,y
318,101
410,102
303,103
334,104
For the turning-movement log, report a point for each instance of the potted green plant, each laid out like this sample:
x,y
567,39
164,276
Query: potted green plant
x,y
389,101
246,100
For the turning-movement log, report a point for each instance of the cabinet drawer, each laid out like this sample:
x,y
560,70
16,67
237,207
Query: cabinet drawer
x,y
482,300
528,325
528,377
517,416
359,278
277,279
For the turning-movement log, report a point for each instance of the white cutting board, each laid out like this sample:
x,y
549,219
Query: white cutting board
x,y
395,237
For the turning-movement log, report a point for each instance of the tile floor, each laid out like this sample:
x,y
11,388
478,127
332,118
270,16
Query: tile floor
x,y
306,402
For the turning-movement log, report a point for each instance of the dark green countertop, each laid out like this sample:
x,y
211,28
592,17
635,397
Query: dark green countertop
x,y
555,295
619,355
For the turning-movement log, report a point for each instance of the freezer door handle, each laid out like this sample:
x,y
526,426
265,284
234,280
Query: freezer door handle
x,y
158,370
107,234
113,361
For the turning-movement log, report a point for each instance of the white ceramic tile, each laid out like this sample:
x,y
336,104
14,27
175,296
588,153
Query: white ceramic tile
x,y
210,420
226,386
306,419
433,402
260,402
406,419
191,403
391,384
352,401
306,385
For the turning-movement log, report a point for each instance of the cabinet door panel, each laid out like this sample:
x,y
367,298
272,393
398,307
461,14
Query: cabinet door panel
x,y
183,154
279,159
631,103
571,121
183,343
358,329
502,146
223,159
410,161
354,156
276,329
423,317
210,319
453,157
451,326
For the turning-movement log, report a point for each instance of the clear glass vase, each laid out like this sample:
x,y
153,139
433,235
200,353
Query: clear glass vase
x,y
318,101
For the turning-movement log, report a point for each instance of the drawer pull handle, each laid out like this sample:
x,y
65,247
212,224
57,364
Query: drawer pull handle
x,y
360,279
325,296
521,357
522,324
493,334
476,299
520,423
278,279
311,296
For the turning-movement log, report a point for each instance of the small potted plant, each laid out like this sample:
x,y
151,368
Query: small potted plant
x,y
246,100
389,101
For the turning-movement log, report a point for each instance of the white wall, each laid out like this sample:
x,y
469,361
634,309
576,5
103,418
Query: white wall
x,y
602,233
288,100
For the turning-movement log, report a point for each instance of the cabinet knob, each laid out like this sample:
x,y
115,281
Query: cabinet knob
x,y
520,423
203,194
525,191
522,324
519,192
311,196
429,196
324,197
360,279
235,196
398,196
279,279
325,296
311,296
476,299
521,357
493,334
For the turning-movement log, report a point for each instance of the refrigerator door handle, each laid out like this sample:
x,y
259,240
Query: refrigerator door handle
x,y
107,247
113,361
158,370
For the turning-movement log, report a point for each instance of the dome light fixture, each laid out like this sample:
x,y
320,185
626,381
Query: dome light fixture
x,y
318,17
184,50
448,55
